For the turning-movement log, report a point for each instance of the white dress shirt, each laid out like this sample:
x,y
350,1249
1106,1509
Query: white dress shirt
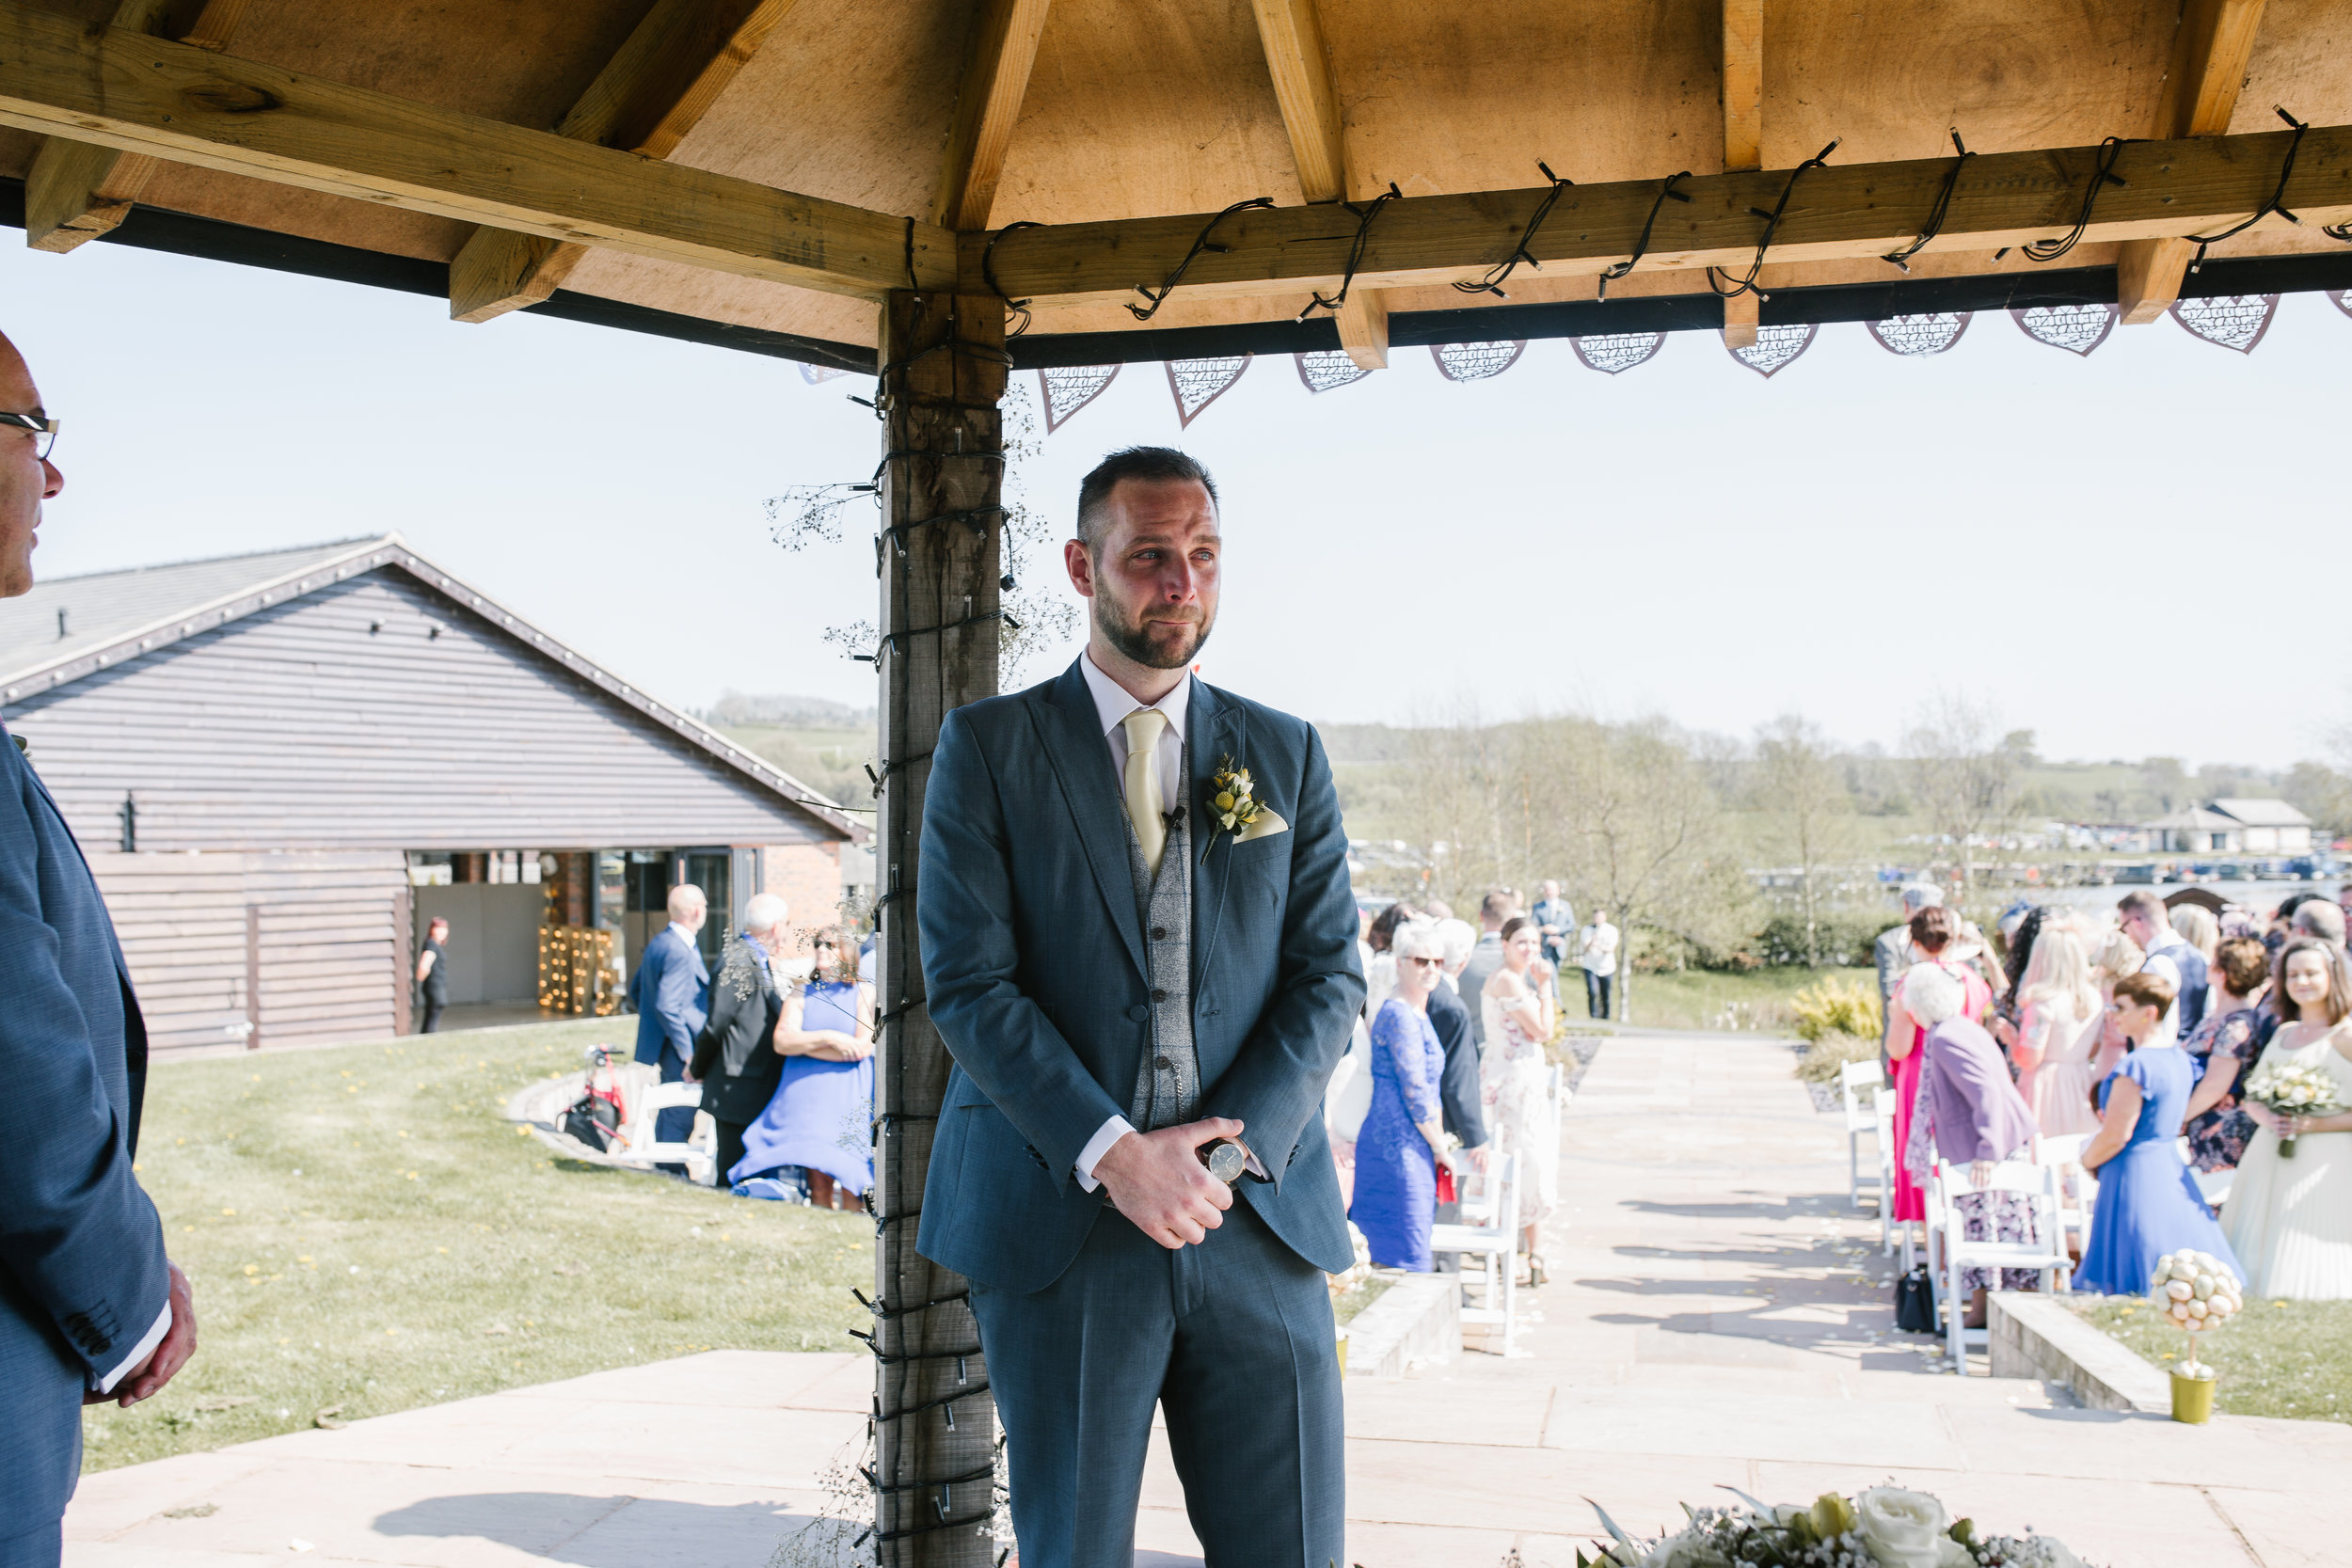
x,y
1113,703
140,1352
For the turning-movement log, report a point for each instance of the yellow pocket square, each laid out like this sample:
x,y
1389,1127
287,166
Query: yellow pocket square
x,y
1266,825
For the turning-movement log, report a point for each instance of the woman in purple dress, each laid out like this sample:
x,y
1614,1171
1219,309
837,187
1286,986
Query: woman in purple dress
x,y
818,1129
1397,1152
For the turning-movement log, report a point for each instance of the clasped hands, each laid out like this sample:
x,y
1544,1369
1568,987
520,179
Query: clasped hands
x,y
1157,1181
170,1354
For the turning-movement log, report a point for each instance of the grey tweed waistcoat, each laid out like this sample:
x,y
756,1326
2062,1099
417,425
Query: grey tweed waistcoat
x,y
1168,1081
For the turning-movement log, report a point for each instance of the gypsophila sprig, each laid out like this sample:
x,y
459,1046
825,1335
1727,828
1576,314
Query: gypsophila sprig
x,y
1887,1527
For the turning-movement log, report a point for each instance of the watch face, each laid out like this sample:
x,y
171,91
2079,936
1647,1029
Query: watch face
x,y
1227,1162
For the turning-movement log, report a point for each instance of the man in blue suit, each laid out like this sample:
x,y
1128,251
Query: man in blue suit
x,y
1139,964
672,995
89,1305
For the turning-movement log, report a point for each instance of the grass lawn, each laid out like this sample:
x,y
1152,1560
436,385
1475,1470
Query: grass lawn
x,y
1714,999
2290,1358
366,1233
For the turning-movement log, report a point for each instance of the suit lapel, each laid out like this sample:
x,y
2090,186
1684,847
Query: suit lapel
x,y
1215,731
1075,749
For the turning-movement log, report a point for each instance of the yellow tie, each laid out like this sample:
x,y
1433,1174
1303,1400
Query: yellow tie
x,y
1144,807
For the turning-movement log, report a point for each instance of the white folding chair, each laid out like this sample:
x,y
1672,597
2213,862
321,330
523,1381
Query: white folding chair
x,y
1883,1106
641,1144
1853,1080
1496,1240
2064,1156
2037,1186
2214,1184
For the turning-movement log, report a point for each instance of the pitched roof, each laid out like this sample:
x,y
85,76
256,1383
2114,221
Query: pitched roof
x,y
2261,814
110,616
2193,820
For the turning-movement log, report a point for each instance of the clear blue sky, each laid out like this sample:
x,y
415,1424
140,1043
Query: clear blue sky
x,y
2117,552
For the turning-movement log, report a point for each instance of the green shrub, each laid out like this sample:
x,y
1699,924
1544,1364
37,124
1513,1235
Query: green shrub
x,y
1837,1006
1843,935
1825,1055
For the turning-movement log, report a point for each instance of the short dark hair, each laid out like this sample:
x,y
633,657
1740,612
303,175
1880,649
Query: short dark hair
x,y
1933,928
2244,963
2148,990
2141,902
1514,926
1149,465
1499,904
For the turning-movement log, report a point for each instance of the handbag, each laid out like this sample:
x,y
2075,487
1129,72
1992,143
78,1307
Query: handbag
x,y
1915,1302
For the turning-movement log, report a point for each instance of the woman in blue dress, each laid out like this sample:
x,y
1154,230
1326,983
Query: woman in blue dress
x,y
817,1129
2148,1204
1396,1152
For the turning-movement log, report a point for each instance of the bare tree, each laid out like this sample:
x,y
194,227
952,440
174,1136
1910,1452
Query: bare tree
x,y
1965,773
1800,787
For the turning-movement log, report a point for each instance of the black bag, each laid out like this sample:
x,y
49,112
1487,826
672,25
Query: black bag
x,y
1915,1303
592,1122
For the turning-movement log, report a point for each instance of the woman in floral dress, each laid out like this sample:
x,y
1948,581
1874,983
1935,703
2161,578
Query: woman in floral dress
x,y
1932,931
1512,1073
2222,1048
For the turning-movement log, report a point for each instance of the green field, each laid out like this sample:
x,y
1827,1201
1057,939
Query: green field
x,y
1711,999
366,1233
2287,1358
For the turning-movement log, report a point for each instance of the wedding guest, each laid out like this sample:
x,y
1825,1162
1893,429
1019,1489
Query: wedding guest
x,y
1932,931
2291,1216
735,1055
2317,917
1893,951
1397,1150
1497,907
1514,1077
671,993
818,1128
2146,922
2115,956
1380,969
1597,955
1976,1118
433,973
2060,1017
2148,1204
1557,921
1459,1089
2221,1047
2195,926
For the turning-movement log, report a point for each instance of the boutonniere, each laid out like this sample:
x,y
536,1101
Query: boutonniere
x,y
1234,805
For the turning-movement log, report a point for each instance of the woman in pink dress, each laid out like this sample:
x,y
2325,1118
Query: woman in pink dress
x,y
2058,1001
1932,932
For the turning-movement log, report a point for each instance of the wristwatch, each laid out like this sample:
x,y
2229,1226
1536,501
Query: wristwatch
x,y
1227,1160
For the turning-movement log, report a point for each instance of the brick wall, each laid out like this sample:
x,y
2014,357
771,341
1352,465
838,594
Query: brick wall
x,y
807,877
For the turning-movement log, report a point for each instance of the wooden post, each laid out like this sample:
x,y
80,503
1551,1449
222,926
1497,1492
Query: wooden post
x,y
943,483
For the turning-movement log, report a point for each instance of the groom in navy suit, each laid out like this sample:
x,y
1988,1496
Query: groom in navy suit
x,y
90,1308
1146,974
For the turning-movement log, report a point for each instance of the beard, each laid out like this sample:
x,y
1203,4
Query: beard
x,y
1152,644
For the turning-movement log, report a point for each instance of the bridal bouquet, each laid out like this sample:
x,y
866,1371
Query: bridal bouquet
x,y
1886,1527
2293,1091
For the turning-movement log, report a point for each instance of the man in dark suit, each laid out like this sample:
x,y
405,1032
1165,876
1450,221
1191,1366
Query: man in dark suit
x,y
735,1055
670,994
1134,969
89,1305
1458,1097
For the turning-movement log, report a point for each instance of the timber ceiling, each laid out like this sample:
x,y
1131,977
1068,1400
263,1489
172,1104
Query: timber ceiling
x,y
1104,112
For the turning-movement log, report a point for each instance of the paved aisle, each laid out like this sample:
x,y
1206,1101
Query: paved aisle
x,y
1717,1315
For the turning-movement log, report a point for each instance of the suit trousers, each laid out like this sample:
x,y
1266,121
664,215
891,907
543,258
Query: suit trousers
x,y
1596,993
42,1548
1232,1337
677,1124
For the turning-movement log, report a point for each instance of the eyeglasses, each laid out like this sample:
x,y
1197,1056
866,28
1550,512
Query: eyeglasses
x,y
44,432
1422,961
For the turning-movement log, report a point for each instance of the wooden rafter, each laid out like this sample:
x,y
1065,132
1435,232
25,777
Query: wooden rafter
x,y
653,90
2210,51
987,102
1744,134
186,105
1299,63
1841,211
74,190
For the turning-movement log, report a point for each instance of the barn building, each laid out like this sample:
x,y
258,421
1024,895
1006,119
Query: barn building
x,y
280,766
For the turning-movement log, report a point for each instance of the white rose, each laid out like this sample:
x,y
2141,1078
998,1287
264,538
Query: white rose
x,y
1951,1554
1901,1528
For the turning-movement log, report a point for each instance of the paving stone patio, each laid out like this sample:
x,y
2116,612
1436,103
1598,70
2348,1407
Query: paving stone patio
x,y
1716,1315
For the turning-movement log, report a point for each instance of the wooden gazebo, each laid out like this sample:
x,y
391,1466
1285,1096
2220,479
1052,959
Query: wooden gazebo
x,y
889,185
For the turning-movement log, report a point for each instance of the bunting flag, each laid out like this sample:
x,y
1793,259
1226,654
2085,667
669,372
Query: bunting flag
x,y
1327,369
2075,328
1614,352
2342,299
1910,335
1198,383
1066,391
1775,348
2229,320
816,375
1476,361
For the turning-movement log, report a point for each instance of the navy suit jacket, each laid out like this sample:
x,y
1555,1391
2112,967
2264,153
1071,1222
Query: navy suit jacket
x,y
672,995
1033,963
82,1269
1457,1087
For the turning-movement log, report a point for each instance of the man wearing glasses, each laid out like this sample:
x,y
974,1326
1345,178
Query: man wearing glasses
x,y
90,1306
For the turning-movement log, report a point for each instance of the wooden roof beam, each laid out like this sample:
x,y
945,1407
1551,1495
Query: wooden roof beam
x,y
987,103
2210,51
74,190
1839,211
656,86
1299,62
120,89
1744,135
